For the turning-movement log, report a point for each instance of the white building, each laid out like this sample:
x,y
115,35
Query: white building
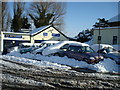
x,y
109,35
49,32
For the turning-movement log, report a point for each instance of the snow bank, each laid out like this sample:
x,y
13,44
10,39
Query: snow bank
x,y
107,65
117,47
33,62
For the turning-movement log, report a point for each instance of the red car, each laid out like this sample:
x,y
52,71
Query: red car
x,y
84,53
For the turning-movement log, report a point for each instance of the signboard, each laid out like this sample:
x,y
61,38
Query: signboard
x,y
12,36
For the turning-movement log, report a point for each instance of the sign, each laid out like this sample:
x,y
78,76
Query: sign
x,y
12,36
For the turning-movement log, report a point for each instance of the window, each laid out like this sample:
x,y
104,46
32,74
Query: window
x,y
114,39
45,34
99,39
55,35
64,46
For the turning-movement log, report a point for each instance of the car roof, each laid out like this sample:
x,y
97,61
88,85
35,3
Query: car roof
x,y
74,43
102,45
61,43
50,42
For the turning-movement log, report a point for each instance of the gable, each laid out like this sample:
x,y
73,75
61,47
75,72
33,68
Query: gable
x,y
38,30
50,33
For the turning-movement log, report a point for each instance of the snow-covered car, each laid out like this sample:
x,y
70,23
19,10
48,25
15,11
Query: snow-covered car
x,y
63,44
80,52
107,51
28,47
43,45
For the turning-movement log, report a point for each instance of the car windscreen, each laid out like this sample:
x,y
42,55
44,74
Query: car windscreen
x,y
109,49
87,49
82,49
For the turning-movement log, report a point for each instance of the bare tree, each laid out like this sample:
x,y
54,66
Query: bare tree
x,y
45,13
8,22
0,15
19,8
4,15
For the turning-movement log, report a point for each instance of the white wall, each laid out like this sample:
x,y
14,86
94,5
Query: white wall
x,y
106,35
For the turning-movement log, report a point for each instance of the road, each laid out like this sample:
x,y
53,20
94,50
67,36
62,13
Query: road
x,y
21,76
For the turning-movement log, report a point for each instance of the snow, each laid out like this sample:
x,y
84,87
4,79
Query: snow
x,y
39,29
20,80
107,65
44,45
117,47
31,61
95,47
10,65
56,47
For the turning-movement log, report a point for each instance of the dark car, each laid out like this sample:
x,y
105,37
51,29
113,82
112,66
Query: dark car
x,y
30,49
84,53
110,53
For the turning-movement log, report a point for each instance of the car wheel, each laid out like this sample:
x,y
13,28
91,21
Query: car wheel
x,y
39,53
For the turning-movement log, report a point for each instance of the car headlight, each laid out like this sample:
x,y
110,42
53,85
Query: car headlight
x,y
92,58
101,57
96,57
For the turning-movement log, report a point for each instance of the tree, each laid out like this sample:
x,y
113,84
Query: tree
x,y
25,23
45,13
84,36
4,14
19,8
0,15
101,23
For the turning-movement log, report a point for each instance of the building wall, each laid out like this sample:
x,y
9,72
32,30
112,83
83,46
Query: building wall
x,y
107,35
15,36
49,35
9,39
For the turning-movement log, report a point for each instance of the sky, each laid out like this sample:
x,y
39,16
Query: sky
x,y
83,15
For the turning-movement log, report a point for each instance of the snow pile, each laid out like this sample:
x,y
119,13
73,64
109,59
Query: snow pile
x,y
107,65
95,47
55,48
117,47
32,62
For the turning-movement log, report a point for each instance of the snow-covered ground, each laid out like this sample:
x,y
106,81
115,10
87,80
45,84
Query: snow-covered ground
x,y
107,65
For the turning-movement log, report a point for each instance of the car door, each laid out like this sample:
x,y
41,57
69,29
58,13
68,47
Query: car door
x,y
73,52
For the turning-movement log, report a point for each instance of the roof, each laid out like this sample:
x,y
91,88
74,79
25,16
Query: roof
x,y
15,33
116,27
115,18
37,30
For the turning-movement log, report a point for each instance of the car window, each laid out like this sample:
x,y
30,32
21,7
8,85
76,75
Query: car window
x,y
64,46
41,44
109,49
73,48
86,49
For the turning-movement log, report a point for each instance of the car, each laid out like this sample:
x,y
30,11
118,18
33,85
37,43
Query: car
x,y
56,48
80,52
43,45
107,51
29,49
